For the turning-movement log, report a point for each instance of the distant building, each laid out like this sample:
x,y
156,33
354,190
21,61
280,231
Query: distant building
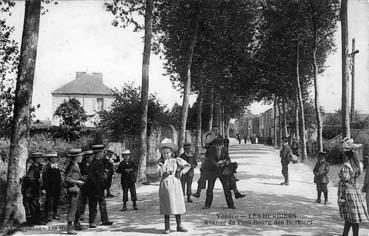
x,y
89,90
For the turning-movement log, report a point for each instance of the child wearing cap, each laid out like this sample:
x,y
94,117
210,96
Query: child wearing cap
x,y
128,170
51,184
321,179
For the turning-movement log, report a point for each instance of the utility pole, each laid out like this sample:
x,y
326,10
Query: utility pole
x,y
352,55
345,71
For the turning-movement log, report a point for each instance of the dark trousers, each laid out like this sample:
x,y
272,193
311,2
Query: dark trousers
x,y
93,200
132,190
226,188
186,181
201,183
285,171
232,183
32,207
52,200
72,206
82,202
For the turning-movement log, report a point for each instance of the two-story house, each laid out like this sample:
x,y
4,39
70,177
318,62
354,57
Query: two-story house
x,y
89,90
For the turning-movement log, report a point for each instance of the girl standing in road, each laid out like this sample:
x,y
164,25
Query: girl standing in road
x,y
350,203
170,192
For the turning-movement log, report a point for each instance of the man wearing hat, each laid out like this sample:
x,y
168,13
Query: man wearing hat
x,y
128,170
285,155
108,171
96,186
31,190
84,194
51,184
215,158
73,181
186,179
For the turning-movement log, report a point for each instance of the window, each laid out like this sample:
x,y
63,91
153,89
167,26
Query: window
x,y
100,104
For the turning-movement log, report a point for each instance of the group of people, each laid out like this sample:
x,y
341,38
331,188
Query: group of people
x,y
176,174
351,205
86,178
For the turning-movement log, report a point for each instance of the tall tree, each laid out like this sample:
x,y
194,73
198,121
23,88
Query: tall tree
x,y
145,90
187,83
13,212
345,71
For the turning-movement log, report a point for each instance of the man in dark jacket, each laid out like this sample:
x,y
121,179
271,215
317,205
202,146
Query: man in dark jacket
x,y
84,193
215,158
108,171
31,190
51,184
96,186
128,170
285,155
186,179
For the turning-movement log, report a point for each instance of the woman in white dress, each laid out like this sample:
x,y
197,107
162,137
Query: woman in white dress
x,y
171,168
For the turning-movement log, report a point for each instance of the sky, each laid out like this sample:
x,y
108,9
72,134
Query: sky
x,y
77,35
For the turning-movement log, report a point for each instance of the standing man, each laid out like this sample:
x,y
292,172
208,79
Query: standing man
x,y
96,186
226,142
215,158
186,179
31,190
84,194
128,170
285,155
51,184
108,172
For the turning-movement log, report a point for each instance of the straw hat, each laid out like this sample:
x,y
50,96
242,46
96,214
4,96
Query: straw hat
x,y
98,147
88,153
50,155
126,152
208,137
167,143
75,152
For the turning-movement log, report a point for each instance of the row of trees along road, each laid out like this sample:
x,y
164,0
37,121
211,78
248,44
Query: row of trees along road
x,y
228,52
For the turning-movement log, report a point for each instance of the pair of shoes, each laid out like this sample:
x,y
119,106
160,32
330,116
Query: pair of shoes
x,y
285,183
78,226
181,229
93,225
135,208
239,195
189,200
124,208
206,207
107,223
166,231
318,201
326,202
196,195
232,207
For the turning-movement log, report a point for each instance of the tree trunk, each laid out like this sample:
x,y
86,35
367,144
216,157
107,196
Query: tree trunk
x,y
187,87
279,122
200,99
317,103
13,211
211,109
145,90
275,123
301,105
345,72
316,85
285,130
297,126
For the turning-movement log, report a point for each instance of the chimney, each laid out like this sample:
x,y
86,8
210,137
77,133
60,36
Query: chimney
x,y
97,76
80,75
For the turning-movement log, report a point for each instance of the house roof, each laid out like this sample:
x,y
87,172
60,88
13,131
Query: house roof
x,y
85,84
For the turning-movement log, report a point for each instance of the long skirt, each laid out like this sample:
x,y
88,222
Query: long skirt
x,y
353,209
171,196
